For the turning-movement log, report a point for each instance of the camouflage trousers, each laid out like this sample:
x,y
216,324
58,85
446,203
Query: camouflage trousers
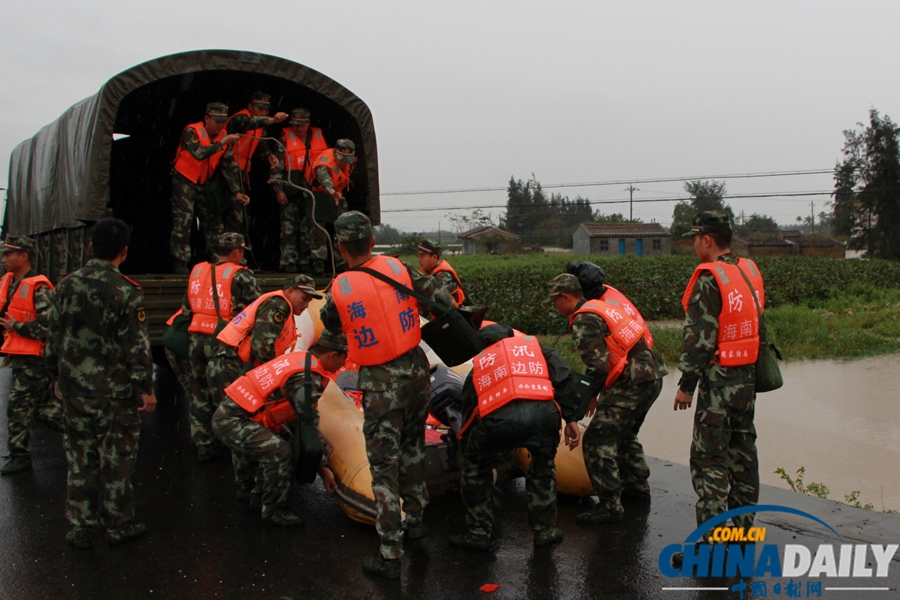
x,y
259,446
203,404
181,368
394,429
724,462
188,201
101,449
481,457
301,240
612,453
31,400
235,219
224,367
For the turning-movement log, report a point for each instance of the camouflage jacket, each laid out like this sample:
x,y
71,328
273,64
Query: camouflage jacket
x,y
228,165
244,290
99,342
701,330
589,333
408,366
39,329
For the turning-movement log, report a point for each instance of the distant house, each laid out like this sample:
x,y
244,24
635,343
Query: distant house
x,y
789,246
489,240
611,239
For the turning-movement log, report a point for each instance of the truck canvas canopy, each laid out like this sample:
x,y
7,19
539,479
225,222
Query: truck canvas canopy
x,y
111,154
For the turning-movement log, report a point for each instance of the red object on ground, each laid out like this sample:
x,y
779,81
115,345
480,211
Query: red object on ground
x,y
433,436
490,587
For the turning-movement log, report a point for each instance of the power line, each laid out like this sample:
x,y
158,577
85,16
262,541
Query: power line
x,y
624,181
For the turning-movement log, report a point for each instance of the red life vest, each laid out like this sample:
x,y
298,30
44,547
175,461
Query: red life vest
x,y
737,343
295,150
203,308
198,171
380,322
237,333
625,331
21,308
617,298
252,390
246,146
459,296
340,171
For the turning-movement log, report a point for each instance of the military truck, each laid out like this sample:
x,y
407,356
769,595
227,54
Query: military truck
x,y
111,155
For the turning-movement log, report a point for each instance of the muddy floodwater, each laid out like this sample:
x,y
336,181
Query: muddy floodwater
x,y
838,419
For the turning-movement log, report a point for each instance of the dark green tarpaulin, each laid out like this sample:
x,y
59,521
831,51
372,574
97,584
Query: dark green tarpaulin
x,y
73,172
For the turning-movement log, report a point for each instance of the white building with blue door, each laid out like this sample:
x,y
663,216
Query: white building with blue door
x,y
619,239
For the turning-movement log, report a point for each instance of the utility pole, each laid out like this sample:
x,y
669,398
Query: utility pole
x,y
631,190
812,218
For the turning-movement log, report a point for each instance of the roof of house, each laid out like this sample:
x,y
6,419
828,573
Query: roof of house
x,y
762,242
485,230
625,230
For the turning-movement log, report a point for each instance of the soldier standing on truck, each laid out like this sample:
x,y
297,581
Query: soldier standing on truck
x,y
331,174
237,288
26,298
250,123
302,146
199,152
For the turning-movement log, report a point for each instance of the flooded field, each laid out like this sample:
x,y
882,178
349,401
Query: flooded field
x,y
840,420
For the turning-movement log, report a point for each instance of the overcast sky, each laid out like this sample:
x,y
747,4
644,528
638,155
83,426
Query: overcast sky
x,y
468,94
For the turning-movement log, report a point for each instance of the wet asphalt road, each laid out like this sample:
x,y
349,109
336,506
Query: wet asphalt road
x,y
202,543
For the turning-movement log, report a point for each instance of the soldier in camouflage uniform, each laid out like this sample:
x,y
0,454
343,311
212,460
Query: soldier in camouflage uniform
x,y
100,348
226,365
330,176
395,401
428,255
235,427
30,398
244,290
724,461
302,146
488,442
192,175
612,453
248,123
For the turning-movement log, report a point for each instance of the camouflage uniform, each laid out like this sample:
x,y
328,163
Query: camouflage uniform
x,y
724,461
234,217
395,403
101,348
244,290
268,450
526,424
30,397
188,198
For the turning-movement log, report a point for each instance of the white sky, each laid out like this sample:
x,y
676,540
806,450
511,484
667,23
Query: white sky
x,y
466,94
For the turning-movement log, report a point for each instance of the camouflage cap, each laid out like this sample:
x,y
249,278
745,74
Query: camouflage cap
x,y
217,111
332,341
261,99
429,246
304,283
346,146
563,284
352,226
299,116
21,243
711,221
231,241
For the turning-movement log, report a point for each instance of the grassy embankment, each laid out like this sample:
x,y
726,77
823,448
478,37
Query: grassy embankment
x,y
817,308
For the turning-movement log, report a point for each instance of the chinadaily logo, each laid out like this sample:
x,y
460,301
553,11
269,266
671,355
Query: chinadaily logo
x,y
768,569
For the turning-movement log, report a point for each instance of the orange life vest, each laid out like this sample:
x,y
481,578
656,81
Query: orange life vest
x,y
625,331
198,171
737,343
295,150
380,322
21,308
340,171
246,146
253,390
617,298
172,318
203,307
459,296
237,333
